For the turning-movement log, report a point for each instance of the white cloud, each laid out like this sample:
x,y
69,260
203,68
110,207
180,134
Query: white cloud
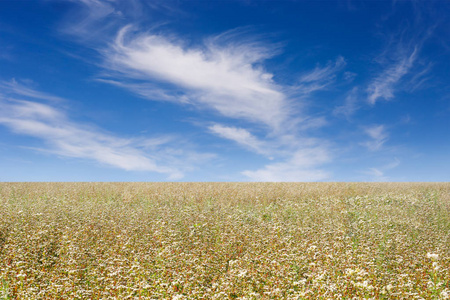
x,y
379,173
300,157
383,87
375,172
222,77
319,78
324,73
350,105
94,20
378,135
349,76
302,166
90,18
68,138
150,91
240,136
400,57
420,79
392,165
18,88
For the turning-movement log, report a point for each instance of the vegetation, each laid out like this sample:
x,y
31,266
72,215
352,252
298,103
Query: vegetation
x,y
224,241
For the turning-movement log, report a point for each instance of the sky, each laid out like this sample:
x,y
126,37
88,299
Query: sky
x,y
243,90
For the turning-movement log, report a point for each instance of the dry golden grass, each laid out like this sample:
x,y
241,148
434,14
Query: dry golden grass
x,y
224,241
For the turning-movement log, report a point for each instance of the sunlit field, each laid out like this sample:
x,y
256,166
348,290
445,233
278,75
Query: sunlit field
x,y
224,241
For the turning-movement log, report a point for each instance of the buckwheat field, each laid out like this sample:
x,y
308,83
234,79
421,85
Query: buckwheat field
x,y
224,241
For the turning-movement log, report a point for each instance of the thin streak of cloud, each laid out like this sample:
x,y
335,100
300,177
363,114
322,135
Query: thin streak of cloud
x,y
350,105
379,173
90,18
378,136
349,76
383,87
420,79
400,57
17,88
319,78
302,166
93,21
324,73
68,138
150,91
240,136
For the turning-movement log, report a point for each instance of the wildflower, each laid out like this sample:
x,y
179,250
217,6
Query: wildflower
x,y
435,266
433,256
300,282
242,273
350,272
365,284
231,263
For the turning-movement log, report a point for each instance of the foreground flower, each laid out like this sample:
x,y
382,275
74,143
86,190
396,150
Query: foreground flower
x,y
433,256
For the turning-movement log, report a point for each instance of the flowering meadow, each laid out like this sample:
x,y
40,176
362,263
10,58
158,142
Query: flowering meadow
x,y
224,240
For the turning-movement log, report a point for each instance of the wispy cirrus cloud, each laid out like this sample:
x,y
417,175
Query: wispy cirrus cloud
x,y
378,136
298,158
400,59
327,73
95,21
65,137
242,137
301,166
379,173
350,106
90,18
319,78
420,79
150,90
383,86
17,88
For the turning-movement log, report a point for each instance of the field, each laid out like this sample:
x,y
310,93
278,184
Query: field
x,y
224,240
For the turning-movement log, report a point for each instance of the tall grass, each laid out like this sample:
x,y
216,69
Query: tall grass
x,y
224,241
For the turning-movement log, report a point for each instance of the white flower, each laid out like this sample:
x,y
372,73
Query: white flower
x,y
434,256
435,266
242,273
365,284
300,282
350,272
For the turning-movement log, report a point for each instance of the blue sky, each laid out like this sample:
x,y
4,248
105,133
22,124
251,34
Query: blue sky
x,y
130,90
